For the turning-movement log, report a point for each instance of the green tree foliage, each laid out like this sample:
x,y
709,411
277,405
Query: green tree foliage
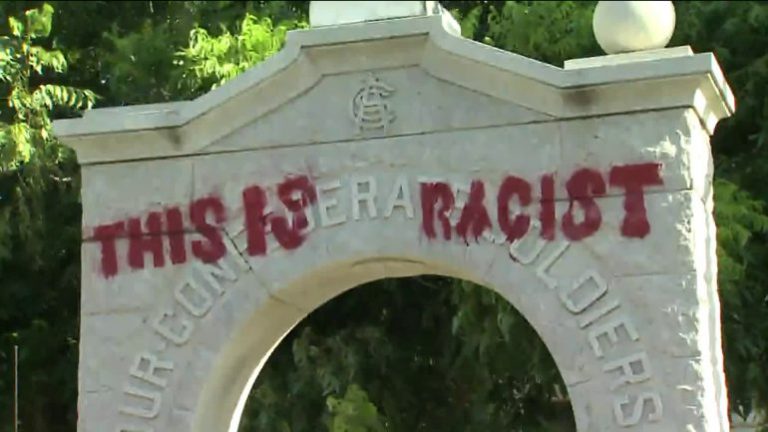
x,y
742,228
418,354
548,31
39,224
737,32
354,412
210,61
141,62
27,132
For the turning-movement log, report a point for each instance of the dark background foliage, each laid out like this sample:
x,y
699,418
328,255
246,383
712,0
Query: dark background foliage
x,y
355,364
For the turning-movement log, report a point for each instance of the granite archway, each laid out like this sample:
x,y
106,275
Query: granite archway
x,y
395,148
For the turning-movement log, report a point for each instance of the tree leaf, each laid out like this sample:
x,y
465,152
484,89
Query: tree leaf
x,y
40,21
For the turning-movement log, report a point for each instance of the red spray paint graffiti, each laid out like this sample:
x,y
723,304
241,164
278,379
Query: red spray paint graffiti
x,y
296,195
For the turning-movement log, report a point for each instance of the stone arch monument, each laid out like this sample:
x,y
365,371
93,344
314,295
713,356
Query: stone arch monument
x,y
395,147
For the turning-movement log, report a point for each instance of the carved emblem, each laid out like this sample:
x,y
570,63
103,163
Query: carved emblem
x,y
370,110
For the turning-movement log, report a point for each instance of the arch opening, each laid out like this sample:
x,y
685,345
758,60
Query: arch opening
x,y
419,353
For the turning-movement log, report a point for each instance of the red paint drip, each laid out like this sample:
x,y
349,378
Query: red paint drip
x,y
212,248
297,194
633,178
512,187
141,242
175,227
582,187
547,211
474,216
431,195
255,204
107,235
290,235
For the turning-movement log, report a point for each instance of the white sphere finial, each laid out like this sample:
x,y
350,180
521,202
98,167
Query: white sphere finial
x,y
627,26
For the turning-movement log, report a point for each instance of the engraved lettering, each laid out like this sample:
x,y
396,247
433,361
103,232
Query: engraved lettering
x,y
593,292
142,412
213,273
538,246
609,330
595,314
370,110
400,197
145,368
368,196
543,268
325,204
179,336
193,298
625,419
633,369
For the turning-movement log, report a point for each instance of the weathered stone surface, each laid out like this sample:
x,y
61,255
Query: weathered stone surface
x,y
489,154
379,126
420,104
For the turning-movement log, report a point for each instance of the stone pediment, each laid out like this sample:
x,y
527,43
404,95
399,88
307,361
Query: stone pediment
x,y
416,103
438,81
